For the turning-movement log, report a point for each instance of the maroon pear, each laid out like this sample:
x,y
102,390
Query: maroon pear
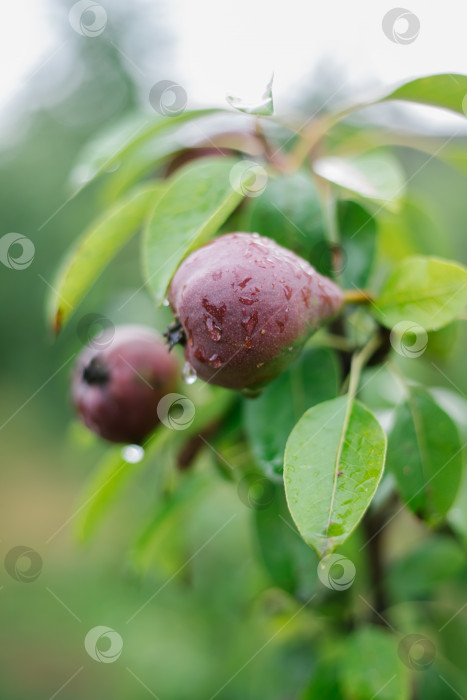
x,y
117,385
247,306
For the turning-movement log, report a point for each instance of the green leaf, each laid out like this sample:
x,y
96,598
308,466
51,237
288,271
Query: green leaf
x,y
371,668
113,473
110,477
426,290
291,564
165,148
347,140
197,200
424,453
290,212
419,574
111,148
446,90
96,247
264,107
357,229
324,684
268,420
142,161
414,229
334,460
166,513
375,175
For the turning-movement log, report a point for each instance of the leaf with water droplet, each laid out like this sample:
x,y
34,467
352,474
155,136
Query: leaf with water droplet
x,y
336,436
264,107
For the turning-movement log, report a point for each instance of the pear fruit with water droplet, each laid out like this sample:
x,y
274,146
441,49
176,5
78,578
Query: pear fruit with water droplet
x,y
118,381
246,306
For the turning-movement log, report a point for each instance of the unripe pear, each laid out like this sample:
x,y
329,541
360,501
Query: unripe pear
x,y
246,306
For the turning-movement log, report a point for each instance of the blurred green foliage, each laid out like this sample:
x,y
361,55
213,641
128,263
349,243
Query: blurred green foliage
x,y
234,617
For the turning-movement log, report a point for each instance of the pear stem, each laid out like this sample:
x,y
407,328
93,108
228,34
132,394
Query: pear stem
x,y
358,296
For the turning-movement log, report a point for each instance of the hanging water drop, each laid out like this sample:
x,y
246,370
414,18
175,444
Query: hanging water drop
x,y
189,374
132,453
166,302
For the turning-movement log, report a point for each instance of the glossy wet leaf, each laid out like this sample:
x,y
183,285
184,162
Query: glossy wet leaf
x,y
334,460
425,290
375,175
357,229
371,668
197,200
290,212
94,249
424,454
268,420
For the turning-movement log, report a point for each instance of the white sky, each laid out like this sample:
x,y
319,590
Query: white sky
x,y
232,46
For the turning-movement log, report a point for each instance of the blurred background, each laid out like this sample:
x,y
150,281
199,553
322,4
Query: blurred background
x,y
216,625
